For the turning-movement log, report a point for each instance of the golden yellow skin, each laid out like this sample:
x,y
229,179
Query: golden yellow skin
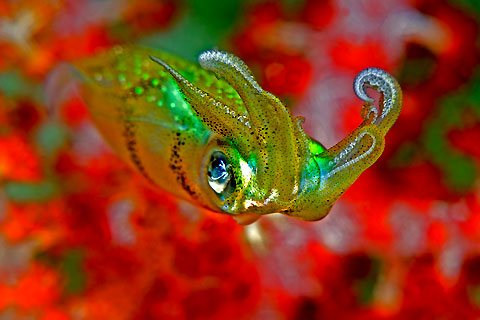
x,y
171,119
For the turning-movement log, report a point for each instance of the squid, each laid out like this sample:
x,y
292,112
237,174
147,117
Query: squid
x,y
210,134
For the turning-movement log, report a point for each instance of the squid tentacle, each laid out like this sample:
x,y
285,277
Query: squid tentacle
x,y
386,84
354,157
213,112
278,134
390,109
361,148
364,148
229,67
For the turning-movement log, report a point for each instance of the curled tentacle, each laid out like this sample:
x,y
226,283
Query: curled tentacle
x,y
239,76
360,149
386,84
390,109
230,67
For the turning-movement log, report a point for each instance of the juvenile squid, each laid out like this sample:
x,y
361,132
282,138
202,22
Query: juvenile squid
x,y
210,134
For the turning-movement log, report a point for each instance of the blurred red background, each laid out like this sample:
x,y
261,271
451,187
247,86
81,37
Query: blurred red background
x,y
83,237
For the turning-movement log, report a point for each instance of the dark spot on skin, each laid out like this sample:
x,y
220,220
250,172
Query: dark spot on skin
x,y
176,166
131,142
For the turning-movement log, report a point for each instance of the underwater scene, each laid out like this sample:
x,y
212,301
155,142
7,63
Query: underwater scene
x,y
200,159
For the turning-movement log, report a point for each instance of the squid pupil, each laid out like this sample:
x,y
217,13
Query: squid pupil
x,y
220,175
219,171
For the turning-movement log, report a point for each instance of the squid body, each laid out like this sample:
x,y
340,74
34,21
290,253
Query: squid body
x,y
210,134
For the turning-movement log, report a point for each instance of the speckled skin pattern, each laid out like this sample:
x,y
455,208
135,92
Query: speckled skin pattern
x,y
166,117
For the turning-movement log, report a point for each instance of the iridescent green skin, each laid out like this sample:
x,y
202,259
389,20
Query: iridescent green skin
x,y
166,116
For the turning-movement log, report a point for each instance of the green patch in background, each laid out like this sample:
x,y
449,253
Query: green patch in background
x,y
365,287
471,6
30,192
51,137
71,266
12,84
459,169
204,25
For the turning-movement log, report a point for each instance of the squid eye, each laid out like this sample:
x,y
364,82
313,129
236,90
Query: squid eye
x,y
220,176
